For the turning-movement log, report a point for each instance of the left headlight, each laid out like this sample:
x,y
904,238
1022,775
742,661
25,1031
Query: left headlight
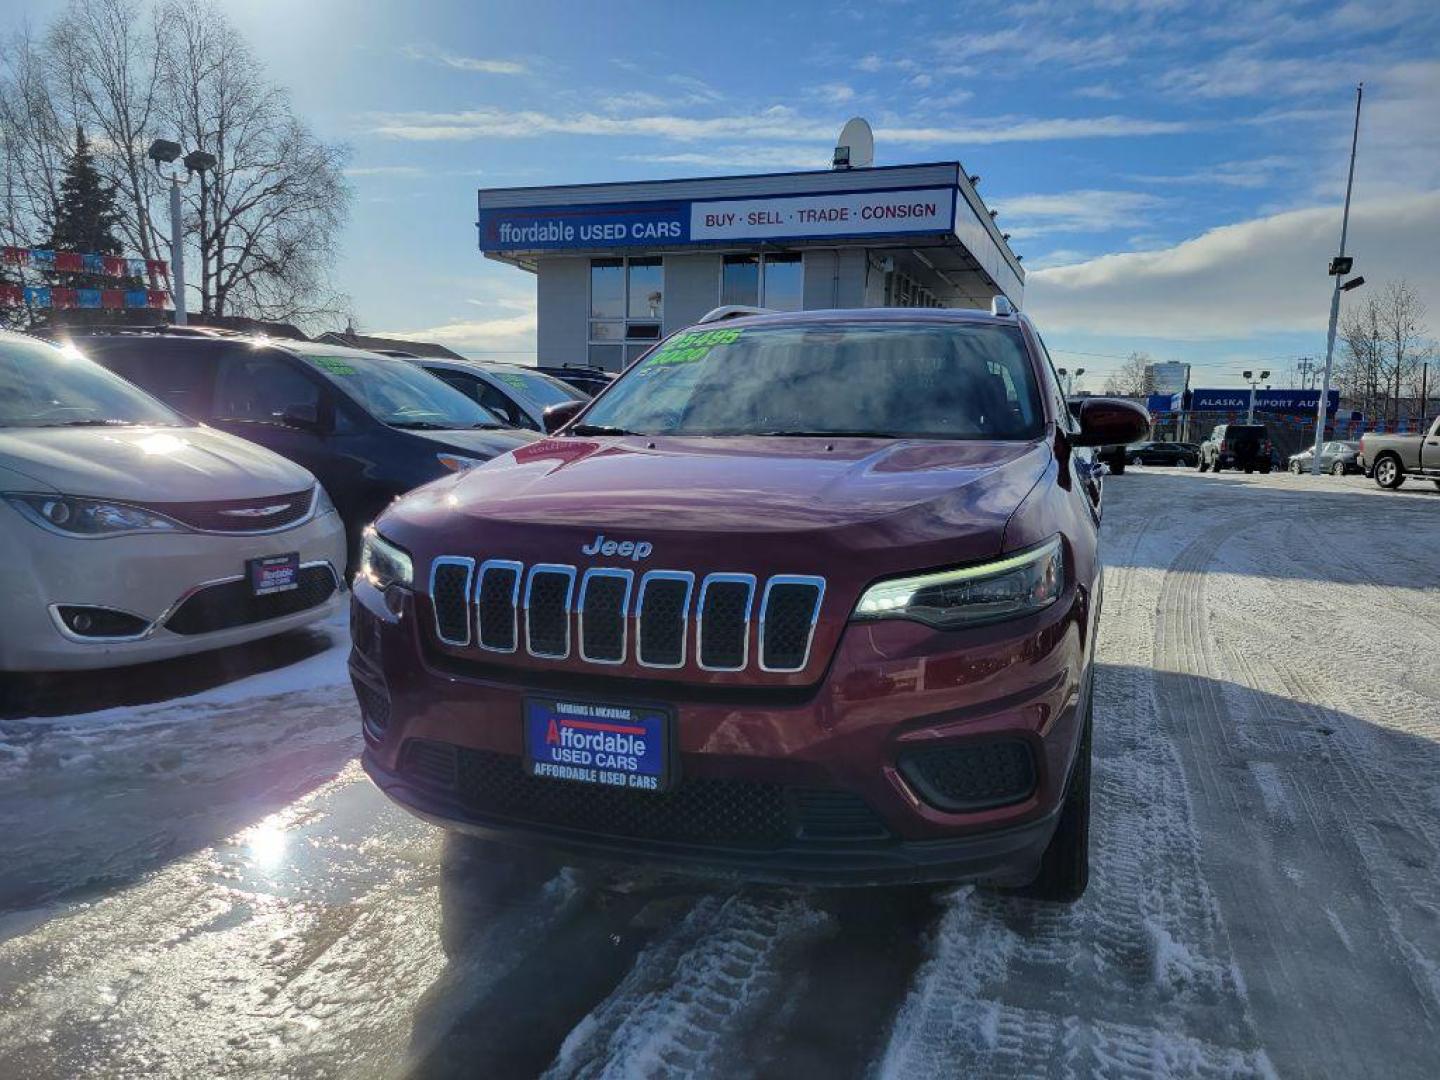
x,y
71,516
384,564
1016,585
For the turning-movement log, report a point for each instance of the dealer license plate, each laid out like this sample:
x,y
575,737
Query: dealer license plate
x,y
274,574
620,746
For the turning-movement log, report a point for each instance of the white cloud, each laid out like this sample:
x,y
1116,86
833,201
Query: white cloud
x,y
742,157
1099,92
483,65
833,93
504,337
776,124
403,171
1025,216
1255,173
1257,276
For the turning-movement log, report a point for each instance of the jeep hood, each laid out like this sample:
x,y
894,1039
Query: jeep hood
x,y
924,502
145,464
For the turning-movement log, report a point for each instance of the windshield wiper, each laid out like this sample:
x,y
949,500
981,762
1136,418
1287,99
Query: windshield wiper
x,y
104,423
421,425
599,429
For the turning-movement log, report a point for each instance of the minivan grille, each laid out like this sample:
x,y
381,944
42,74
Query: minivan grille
x,y
240,515
670,621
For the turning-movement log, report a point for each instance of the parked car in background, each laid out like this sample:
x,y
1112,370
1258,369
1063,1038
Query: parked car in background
x,y
1336,458
1237,446
1163,453
370,427
1390,459
134,534
581,376
604,643
518,395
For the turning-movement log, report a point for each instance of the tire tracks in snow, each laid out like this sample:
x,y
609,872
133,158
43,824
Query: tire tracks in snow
x,y
1283,884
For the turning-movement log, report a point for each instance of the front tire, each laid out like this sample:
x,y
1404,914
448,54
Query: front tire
x,y
1065,865
1338,469
1295,467
1388,473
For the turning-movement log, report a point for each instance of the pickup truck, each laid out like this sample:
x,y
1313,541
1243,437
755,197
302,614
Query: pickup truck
x,y
1392,458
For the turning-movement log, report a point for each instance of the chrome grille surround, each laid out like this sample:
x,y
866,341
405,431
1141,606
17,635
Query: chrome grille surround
x,y
747,580
605,572
686,578
446,562
499,590
517,569
547,570
781,581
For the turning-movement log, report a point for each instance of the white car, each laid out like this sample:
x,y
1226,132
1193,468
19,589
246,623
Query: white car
x,y
517,395
133,534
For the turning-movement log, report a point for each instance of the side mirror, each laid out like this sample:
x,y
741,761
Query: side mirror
x,y
1111,422
304,417
557,416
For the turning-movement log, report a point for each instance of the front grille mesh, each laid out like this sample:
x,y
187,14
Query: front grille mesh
x,y
547,614
664,610
972,777
698,810
232,603
790,610
660,621
603,618
495,602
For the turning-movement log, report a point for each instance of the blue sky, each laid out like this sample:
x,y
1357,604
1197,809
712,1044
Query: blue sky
x,y
1171,172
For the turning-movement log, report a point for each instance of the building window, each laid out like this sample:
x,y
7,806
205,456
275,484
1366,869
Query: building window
x,y
772,281
627,298
906,292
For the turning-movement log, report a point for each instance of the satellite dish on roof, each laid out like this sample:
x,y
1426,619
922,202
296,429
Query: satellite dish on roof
x,y
856,146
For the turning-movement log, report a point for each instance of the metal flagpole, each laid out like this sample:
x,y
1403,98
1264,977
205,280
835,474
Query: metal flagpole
x,y
1335,295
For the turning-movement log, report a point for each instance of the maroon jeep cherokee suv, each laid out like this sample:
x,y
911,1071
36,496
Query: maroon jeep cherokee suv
x,y
800,597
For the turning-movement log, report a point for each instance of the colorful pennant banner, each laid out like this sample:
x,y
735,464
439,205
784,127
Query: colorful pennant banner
x,y
54,296
76,262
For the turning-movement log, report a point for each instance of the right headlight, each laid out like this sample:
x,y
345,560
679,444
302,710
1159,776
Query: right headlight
x,y
382,563
1016,585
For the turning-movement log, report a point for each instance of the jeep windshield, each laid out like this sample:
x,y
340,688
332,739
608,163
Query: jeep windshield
x,y
921,380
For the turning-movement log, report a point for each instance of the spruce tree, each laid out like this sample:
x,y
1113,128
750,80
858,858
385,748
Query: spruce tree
x,y
86,216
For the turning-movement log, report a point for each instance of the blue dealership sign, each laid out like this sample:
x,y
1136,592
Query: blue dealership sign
x,y
623,225
1283,401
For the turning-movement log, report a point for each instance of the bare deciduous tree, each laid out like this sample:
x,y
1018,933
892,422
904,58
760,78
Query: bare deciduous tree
x,y
261,227
1385,343
1133,377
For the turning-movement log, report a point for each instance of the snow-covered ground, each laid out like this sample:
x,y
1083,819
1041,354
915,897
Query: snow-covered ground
x,y
210,887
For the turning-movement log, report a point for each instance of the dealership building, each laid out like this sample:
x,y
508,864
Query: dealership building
x,y
618,266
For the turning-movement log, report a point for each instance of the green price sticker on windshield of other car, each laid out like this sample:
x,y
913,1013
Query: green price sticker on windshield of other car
x,y
334,365
517,381
691,347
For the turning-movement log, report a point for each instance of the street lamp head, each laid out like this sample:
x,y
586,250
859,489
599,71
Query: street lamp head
x,y
1264,375
1061,371
1246,374
1079,371
198,161
1353,283
163,151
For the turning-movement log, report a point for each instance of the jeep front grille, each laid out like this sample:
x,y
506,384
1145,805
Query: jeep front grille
x,y
503,606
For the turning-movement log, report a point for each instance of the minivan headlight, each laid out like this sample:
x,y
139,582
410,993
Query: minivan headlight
x,y
382,563
322,505
71,516
1016,585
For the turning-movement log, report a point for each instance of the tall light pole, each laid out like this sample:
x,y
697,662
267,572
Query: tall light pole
x,y
1339,267
1250,417
164,152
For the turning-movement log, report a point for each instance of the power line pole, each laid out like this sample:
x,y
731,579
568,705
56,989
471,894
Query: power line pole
x,y
1339,267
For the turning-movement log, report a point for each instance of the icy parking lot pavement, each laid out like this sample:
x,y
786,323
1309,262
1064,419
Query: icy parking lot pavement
x,y
210,887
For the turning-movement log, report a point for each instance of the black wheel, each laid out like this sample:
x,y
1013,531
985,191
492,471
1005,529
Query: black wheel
x,y
1338,469
1388,473
1136,460
1249,469
1201,465
1215,465
1117,466
1065,866
1265,470
1295,467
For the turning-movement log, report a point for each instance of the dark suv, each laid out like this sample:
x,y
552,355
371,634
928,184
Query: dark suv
x,y
369,427
1237,446
809,596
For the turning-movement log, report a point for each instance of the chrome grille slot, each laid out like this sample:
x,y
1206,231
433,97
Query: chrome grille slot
x,y
662,615
722,621
600,615
450,579
496,600
787,621
549,590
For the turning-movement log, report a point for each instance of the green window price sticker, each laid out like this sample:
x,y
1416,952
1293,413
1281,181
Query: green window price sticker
x,y
692,347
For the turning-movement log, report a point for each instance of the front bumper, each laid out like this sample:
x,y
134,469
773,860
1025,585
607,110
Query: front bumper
x,y
147,576
892,688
